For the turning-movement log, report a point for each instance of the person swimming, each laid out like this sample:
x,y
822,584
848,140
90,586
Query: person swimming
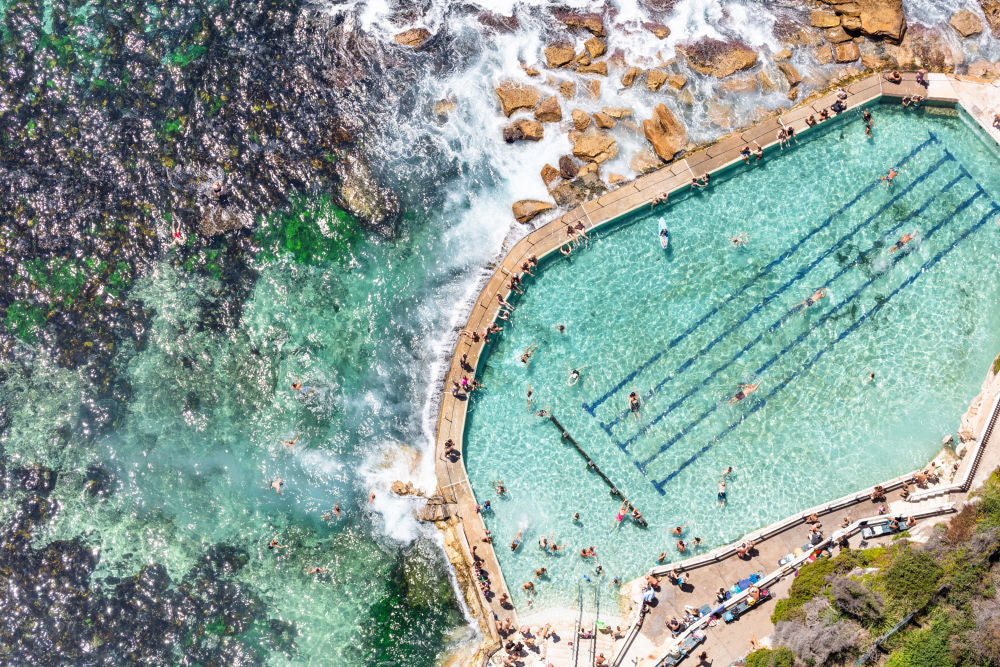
x,y
893,173
721,495
574,377
633,404
739,240
745,390
821,293
903,240
517,540
622,511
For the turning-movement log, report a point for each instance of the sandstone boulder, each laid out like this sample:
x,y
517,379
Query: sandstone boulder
x,y
618,112
559,54
595,47
594,88
595,147
615,179
405,489
665,132
515,95
882,19
568,168
549,110
645,161
523,129
984,69
783,54
604,121
718,58
991,8
676,81
658,29
529,70
414,37
587,186
580,119
526,209
740,84
590,22
966,23
824,54
655,79
549,174
629,77
836,35
791,74
600,67
846,52
823,19
583,58
928,47
567,89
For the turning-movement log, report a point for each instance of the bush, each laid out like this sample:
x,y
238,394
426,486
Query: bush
x,y
989,508
927,647
810,581
912,576
765,657
819,640
853,599
961,526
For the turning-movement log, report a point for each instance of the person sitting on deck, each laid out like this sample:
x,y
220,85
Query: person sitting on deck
x,y
894,77
878,494
996,120
922,78
758,151
824,114
811,120
910,522
674,625
660,198
745,154
893,524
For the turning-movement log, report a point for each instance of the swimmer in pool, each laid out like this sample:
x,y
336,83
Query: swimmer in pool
x,y
817,295
291,443
526,357
574,377
745,390
741,239
721,495
893,173
633,404
903,240
517,540
621,514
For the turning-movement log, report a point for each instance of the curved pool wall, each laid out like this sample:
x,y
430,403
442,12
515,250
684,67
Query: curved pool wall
x,y
836,433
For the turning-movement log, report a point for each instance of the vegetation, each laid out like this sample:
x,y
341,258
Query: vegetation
x,y
837,607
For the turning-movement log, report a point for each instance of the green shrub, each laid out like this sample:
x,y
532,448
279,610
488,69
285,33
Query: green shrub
x,y
810,581
912,576
926,647
765,657
989,508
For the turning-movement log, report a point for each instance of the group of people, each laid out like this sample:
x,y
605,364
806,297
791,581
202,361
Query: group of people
x,y
758,152
701,181
575,233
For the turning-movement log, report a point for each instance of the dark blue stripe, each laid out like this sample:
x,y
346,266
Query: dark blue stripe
x,y
659,485
704,415
795,278
760,274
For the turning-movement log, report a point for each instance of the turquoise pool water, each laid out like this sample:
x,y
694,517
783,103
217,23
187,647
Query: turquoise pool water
x,y
683,328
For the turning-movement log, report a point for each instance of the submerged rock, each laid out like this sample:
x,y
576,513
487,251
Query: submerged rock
x,y
665,132
645,161
658,29
36,478
591,22
526,209
655,79
718,58
361,194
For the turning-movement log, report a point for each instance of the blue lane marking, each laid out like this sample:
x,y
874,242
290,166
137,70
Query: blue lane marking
x,y
827,315
795,278
760,274
660,484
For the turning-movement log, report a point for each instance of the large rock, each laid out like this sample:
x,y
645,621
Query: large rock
x,y
405,489
824,54
595,47
568,168
629,77
575,192
600,67
927,47
984,69
515,95
676,81
655,79
591,22
549,174
991,8
740,84
618,112
549,110
567,89
595,147
823,19
882,19
665,132
414,37
718,58
526,209
846,52
523,129
791,74
966,23
559,54
604,121
836,35
658,29
580,119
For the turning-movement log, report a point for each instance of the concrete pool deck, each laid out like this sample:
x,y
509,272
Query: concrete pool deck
x,y
979,99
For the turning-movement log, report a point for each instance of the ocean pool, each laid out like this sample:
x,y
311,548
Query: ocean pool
x,y
683,328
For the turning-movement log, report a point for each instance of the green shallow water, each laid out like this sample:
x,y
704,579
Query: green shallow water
x,y
684,327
